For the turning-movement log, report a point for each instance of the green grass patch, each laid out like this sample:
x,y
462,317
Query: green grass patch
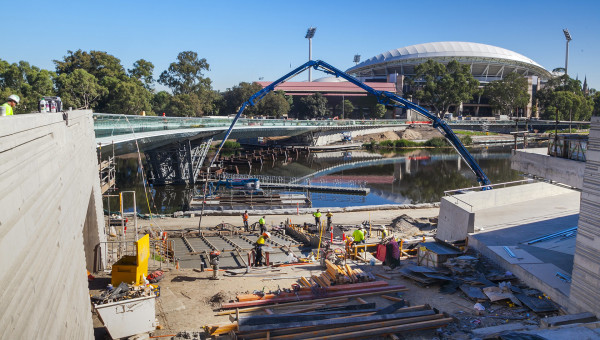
x,y
474,133
437,142
231,145
582,132
405,143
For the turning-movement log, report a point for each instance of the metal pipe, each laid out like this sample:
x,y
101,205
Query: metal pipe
x,y
554,235
310,58
509,252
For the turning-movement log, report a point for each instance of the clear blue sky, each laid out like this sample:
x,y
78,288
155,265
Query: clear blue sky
x,y
246,40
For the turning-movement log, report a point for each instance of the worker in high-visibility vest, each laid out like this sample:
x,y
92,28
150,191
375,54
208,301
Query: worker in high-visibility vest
x,y
261,224
245,219
359,235
384,233
258,247
7,108
317,216
330,222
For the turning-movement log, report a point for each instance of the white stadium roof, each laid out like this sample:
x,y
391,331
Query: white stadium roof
x,y
462,51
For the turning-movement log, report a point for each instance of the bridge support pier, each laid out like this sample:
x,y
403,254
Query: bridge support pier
x,y
177,163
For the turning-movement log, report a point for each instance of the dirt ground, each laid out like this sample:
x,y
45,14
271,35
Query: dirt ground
x,y
376,217
413,132
190,299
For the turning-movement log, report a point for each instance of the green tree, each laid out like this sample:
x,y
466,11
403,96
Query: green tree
x,y
596,99
508,94
345,108
97,63
313,106
185,105
274,104
444,85
130,98
106,69
186,75
27,81
379,111
563,98
234,97
566,105
79,89
161,102
142,71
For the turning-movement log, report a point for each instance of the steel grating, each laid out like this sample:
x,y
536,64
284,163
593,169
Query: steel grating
x,y
230,257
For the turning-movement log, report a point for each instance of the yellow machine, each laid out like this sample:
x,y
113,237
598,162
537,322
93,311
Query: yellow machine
x,y
133,268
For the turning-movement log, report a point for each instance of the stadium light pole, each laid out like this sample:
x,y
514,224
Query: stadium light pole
x,y
310,33
568,37
356,59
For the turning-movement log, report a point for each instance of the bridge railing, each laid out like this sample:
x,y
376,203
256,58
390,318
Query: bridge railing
x,y
106,124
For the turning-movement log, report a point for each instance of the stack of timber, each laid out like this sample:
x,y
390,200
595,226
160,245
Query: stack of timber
x,y
330,305
337,274
334,281
324,319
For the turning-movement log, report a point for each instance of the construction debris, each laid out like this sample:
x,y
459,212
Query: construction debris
x,y
315,316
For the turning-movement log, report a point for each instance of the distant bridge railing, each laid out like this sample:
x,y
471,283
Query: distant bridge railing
x,y
106,124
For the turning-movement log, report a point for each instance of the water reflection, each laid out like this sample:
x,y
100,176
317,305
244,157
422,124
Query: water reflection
x,y
415,176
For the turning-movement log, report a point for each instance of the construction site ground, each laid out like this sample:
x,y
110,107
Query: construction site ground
x,y
189,298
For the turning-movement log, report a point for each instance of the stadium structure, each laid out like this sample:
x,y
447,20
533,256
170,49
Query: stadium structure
x,y
487,63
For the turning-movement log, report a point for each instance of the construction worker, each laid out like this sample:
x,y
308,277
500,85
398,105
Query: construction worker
x,y
317,216
384,233
329,216
245,219
359,235
261,224
260,243
7,108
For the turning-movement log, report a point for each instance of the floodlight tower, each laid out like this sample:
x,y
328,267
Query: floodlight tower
x,y
568,37
310,33
356,59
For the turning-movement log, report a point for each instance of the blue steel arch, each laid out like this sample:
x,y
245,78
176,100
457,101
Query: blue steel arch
x,y
383,97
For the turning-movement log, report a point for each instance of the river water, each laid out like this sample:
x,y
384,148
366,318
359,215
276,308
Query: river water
x,y
400,177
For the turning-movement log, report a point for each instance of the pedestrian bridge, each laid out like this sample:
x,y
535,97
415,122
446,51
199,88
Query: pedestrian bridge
x,y
128,133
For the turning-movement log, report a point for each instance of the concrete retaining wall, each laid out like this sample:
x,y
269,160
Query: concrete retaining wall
x,y
538,163
50,225
585,292
458,213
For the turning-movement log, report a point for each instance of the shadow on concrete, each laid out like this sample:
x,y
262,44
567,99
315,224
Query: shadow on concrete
x,y
184,279
519,235
100,333
99,283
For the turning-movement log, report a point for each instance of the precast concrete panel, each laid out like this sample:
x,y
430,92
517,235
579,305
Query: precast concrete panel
x,y
50,221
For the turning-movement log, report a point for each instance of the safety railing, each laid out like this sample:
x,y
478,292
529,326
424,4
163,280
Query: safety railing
x,y
451,194
106,124
568,146
161,253
261,178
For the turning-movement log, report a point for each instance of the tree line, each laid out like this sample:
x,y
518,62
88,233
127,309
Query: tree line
x,y
442,86
97,80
